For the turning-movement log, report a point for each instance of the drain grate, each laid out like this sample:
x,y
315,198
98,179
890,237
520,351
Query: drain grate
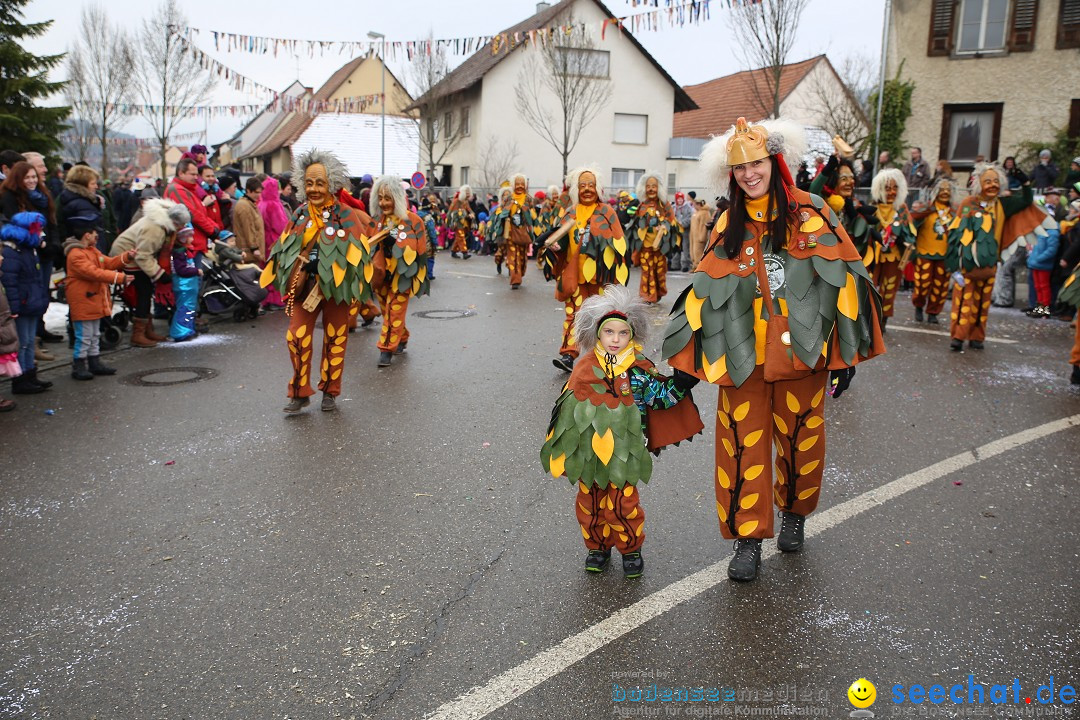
x,y
444,314
163,377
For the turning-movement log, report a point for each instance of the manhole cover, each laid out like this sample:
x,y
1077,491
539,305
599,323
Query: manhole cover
x,y
444,314
163,377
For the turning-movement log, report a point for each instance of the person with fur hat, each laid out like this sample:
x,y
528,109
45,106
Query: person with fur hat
x,y
615,388
322,265
88,289
931,242
982,234
653,236
400,261
888,191
151,238
515,222
461,219
780,298
587,252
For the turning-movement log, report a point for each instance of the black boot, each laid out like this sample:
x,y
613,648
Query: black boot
x,y
975,344
36,380
402,346
564,362
918,314
791,532
932,318
385,358
1075,377
744,565
98,368
956,345
79,371
597,560
24,385
884,322
632,565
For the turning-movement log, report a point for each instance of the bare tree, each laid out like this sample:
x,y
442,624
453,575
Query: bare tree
x,y
169,80
837,99
495,161
437,137
577,75
99,67
765,33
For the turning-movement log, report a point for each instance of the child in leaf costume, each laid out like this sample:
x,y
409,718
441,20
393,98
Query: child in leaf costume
x,y
780,297
612,413
592,254
654,236
321,264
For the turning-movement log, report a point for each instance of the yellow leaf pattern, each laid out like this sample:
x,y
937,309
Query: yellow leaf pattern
x,y
741,411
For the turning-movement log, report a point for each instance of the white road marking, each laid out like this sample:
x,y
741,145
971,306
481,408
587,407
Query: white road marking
x,y
515,682
465,274
945,334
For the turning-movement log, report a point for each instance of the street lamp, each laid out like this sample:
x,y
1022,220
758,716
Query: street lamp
x,y
382,58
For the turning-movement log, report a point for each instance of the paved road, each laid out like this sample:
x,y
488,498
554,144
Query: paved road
x,y
188,552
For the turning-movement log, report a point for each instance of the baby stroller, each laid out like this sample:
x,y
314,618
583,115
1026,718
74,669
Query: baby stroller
x,y
230,285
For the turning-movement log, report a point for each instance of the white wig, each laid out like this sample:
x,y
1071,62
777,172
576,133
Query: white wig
x,y
615,298
464,192
881,182
785,137
513,179
940,184
661,191
553,192
572,181
336,173
391,185
981,168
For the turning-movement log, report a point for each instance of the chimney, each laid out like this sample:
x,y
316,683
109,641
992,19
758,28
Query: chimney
x,y
542,6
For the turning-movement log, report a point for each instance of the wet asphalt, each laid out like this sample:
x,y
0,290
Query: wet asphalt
x,y
187,551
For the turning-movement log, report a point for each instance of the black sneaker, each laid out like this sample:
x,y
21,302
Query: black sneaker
x,y
746,561
401,347
932,319
956,345
385,358
455,254
466,256
918,314
1075,377
564,362
597,560
329,403
975,344
791,532
632,565
295,405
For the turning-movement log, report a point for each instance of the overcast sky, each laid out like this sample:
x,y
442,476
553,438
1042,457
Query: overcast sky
x,y
691,55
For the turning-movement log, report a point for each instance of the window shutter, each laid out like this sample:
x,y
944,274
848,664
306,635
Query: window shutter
x,y
1069,25
1022,28
942,19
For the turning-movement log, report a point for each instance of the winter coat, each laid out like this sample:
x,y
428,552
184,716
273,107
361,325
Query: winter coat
x,y
9,337
1043,253
89,275
183,264
148,238
206,221
249,228
51,251
1044,176
21,270
76,201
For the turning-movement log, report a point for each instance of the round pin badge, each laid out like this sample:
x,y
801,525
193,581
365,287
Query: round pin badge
x,y
340,233
330,231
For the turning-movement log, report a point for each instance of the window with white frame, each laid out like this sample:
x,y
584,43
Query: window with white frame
x,y
671,184
465,176
585,63
466,121
433,123
631,129
622,178
982,26
448,124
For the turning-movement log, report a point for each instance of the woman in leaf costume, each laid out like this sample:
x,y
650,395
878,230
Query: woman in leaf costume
x,y
321,264
931,242
400,263
461,220
984,227
590,255
514,222
1070,290
836,184
612,413
888,191
780,297
654,238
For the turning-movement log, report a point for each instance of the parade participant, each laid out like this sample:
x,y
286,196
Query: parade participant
x,y
780,296
516,221
615,388
492,230
587,252
836,184
1070,295
985,225
400,262
461,219
321,265
931,242
888,191
653,236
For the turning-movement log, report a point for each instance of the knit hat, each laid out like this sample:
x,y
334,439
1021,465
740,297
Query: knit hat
x,y
148,193
82,224
185,233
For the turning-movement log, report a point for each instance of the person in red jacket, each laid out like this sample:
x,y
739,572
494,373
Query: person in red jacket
x,y
90,275
185,189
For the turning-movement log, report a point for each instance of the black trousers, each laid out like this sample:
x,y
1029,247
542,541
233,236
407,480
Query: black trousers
x,y
144,293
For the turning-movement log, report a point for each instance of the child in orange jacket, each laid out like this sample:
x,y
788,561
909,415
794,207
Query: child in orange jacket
x,y
87,287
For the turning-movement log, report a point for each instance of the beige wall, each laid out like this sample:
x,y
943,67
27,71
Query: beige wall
x,y
1036,87
366,79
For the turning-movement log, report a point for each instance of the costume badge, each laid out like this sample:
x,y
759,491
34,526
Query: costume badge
x,y
774,270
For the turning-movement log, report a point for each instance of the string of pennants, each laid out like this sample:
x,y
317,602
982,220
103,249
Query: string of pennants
x,y
280,103
673,15
138,142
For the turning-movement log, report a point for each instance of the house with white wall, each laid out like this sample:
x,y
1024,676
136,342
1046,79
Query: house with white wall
x,y
627,137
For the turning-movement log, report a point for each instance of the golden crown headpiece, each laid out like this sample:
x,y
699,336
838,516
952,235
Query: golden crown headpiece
x,y
747,143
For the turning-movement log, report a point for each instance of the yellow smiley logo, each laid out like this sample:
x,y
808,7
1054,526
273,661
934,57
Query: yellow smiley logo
x,y
862,693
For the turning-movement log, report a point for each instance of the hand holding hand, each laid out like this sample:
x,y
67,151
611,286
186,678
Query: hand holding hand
x,y
208,201
128,279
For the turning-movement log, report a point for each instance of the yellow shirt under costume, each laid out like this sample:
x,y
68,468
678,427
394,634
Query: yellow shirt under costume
x,y
933,238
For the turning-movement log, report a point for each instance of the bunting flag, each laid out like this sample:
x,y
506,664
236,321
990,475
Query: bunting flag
x,y
280,103
674,14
